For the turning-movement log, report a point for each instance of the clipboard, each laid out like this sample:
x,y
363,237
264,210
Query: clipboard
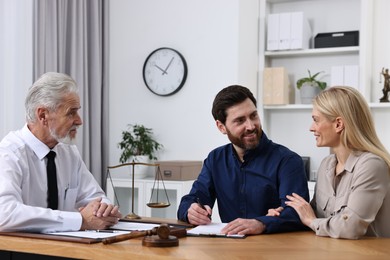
x,y
52,237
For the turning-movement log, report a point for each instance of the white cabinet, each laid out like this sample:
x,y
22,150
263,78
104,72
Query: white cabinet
x,y
289,124
142,195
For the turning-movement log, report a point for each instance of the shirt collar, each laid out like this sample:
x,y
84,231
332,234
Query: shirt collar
x,y
352,160
39,148
349,164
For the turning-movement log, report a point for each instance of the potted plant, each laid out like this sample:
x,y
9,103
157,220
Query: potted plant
x,y
309,87
138,141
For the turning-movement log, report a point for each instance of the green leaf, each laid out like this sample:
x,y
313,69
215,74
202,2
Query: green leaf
x,y
311,79
138,140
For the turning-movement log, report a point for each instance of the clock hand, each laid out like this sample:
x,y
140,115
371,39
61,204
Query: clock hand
x,y
158,67
169,64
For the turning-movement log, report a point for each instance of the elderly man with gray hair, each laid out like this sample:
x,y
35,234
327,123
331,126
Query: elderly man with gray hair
x,y
44,184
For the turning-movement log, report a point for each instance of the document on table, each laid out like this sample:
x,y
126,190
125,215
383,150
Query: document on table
x,y
211,230
91,233
118,229
133,226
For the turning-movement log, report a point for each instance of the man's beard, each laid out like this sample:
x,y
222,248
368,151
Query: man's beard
x,y
67,139
240,142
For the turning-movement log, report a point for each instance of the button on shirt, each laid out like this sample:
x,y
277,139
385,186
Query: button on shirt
x,y
247,190
23,185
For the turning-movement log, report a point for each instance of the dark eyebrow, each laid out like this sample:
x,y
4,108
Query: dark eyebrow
x,y
239,118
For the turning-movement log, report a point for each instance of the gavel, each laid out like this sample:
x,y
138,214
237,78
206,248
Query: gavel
x,y
163,232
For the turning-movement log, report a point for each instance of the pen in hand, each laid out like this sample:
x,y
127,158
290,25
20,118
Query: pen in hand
x,y
203,207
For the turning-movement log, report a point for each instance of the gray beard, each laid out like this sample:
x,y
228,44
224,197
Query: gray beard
x,y
65,140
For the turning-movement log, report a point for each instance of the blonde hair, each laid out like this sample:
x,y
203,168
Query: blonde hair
x,y
359,131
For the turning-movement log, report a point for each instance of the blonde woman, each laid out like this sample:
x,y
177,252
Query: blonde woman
x,y
352,194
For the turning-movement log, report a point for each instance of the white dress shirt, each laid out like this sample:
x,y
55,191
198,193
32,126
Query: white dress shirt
x,y
23,185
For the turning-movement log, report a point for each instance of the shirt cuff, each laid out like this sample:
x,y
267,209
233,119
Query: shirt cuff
x,y
315,225
71,220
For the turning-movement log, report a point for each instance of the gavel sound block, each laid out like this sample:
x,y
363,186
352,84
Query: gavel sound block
x,y
161,236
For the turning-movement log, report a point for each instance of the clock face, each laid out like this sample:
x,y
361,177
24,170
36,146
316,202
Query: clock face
x,y
165,71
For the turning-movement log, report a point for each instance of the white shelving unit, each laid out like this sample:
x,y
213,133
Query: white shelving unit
x,y
313,52
289,124
323,16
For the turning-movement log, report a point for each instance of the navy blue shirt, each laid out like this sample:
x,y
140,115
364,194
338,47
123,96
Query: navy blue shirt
x,y
248,189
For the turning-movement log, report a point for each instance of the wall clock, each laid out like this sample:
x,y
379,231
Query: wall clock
x,y
165,71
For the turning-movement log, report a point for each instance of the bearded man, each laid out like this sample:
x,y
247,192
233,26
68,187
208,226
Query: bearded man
x,y
247,176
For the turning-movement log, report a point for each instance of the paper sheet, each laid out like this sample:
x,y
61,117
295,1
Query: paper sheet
x,y
118,229
90,234
212,229
132,226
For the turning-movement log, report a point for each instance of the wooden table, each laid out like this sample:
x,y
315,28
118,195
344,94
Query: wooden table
x,y
286,246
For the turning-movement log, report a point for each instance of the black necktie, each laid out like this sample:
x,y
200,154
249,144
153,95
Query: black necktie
x,y
52,190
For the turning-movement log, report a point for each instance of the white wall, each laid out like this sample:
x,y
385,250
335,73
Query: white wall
x,y
219,42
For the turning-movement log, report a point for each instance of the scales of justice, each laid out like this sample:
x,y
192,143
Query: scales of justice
x,y
158,181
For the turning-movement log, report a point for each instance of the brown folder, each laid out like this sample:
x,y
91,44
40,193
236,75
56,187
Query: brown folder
x,y
53,237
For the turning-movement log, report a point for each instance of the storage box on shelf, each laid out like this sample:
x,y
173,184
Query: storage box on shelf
x,y
179,170
288,31
276,86
336,39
